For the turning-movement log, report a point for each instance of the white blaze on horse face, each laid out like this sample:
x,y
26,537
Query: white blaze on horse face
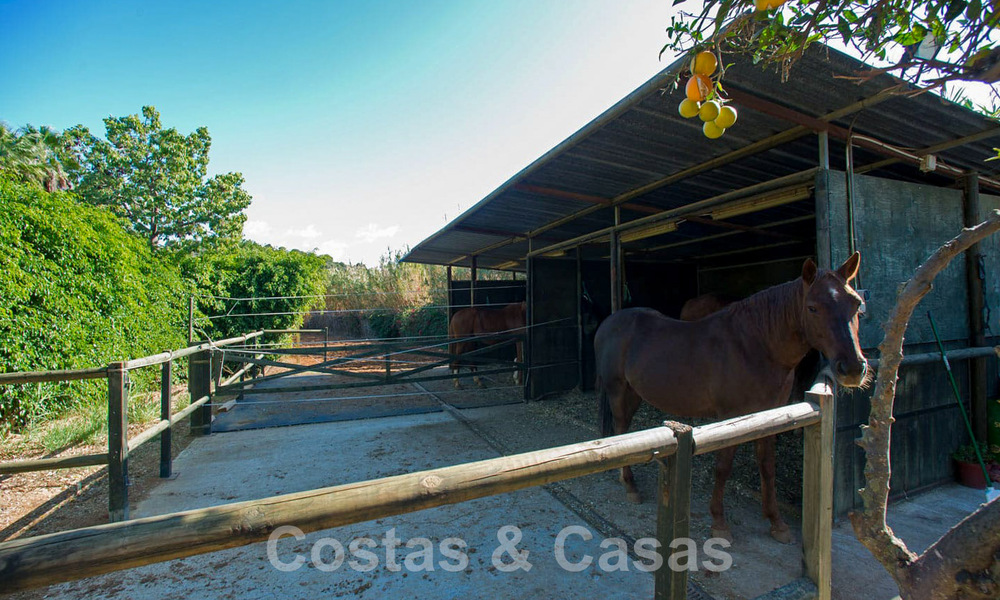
x,y
831,326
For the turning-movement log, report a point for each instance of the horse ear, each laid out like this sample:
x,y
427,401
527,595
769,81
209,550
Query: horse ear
x,y
809,271
849,269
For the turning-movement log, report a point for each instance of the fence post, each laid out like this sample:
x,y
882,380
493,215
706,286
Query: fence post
x,y
218,362
190,319
388,367
166,390
673,511
117,442
326,343
817,491
200,385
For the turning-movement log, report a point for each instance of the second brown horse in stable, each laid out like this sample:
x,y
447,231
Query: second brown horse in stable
x,y
733,362
474,321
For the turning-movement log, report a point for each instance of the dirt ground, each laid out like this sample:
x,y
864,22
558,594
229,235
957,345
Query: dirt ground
x,y
51,501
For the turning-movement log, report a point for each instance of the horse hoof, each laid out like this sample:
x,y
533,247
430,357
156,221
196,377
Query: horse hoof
x,y
725,534
634,497
782,535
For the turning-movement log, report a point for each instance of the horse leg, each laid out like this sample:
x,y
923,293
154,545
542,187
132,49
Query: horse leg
x,y
768,491
723,468
454,365
623,407
520,362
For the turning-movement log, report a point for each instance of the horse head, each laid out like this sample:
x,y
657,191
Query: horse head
x,y
830,310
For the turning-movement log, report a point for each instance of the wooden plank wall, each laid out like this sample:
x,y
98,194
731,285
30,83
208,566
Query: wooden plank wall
x,y
553,298
898,225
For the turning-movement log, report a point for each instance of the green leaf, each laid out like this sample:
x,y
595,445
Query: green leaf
x,y
974,10
845,30
955,8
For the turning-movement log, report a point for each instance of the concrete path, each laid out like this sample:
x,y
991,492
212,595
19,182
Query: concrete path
x,y
230,467
253,464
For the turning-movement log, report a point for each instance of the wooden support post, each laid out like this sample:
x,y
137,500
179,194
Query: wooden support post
x,y
326,343
190,320
616,265
166,391
824,149
200,384
218,361
817,491
473,273
529,320
822,199
673,512
977,325
117,442
388,367
451,294
579,318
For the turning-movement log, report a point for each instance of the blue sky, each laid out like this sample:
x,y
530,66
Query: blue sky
x,y
359,126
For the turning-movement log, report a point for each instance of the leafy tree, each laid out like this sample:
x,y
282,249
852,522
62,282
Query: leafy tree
x,y
78,291
156,179
929,42
283,285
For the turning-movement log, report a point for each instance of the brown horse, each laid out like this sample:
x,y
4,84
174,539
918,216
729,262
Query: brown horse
x,y
473,321
700,307
733,362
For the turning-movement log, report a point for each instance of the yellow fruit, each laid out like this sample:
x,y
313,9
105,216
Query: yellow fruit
x,y
698,88
709,111
726,117
688,108
704,63
711,130
768,4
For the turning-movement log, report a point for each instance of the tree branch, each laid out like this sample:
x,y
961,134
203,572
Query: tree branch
x,y
870,525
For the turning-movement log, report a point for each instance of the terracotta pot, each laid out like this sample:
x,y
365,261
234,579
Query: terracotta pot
x,y
970,475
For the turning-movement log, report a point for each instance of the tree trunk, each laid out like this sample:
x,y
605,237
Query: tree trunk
x,y
965,562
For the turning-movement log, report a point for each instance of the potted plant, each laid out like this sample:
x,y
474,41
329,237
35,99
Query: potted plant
x,y
970,473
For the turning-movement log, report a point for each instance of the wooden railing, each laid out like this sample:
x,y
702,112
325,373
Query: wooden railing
x,y
49,559
200,372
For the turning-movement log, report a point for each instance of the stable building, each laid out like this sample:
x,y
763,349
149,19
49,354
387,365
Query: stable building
x,y
638,208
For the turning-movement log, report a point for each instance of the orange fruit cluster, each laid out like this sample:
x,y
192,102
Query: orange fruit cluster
x,y
768,4
703,100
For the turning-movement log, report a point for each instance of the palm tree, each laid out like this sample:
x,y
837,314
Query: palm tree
x,y
34,155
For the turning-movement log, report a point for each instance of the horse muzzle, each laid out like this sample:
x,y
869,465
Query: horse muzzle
x,y
851,373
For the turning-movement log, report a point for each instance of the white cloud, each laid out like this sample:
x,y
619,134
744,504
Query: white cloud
x,y
373,232
256,229
307,233
336,249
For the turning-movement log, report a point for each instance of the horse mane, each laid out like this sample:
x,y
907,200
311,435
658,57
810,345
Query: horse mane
x,y
770,310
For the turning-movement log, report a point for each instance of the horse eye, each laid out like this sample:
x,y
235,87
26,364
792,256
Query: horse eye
x,y
812,309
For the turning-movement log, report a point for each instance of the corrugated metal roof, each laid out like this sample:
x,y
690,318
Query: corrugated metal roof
x,y
641,141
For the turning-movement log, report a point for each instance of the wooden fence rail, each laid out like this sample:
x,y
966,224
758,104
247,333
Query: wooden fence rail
x,y
59,557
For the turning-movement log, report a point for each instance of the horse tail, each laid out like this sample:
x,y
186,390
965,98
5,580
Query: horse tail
x,y
605,417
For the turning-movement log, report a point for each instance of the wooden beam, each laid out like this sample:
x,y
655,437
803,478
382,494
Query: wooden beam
x,y
972,210
44,464
27,563
820,125
737,227
749,150
968,139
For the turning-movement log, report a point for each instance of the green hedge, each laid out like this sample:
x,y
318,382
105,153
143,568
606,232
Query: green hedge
x,y
250,270
77,291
